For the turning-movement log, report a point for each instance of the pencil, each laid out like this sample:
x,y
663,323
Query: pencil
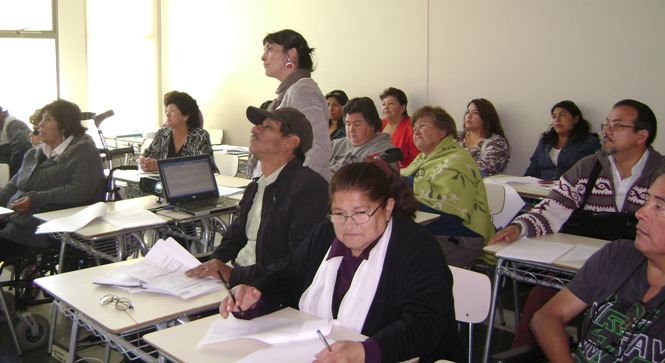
x,y
228,288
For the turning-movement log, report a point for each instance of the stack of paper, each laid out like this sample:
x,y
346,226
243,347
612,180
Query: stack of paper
x,y
162,271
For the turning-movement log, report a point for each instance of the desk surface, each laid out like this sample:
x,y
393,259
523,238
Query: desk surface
x,y
425,217
559,238
134,176
75,289
180,342
98,228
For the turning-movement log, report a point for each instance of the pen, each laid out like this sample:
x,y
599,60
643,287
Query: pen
x,y
323,339
228,288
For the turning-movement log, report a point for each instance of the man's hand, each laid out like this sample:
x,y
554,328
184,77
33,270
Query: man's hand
x,y
508,234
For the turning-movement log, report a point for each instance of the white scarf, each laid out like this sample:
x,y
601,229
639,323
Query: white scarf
x,y
317,299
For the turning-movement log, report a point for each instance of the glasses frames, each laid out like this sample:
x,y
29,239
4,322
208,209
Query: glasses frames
x,y
615,126
121,303
358,217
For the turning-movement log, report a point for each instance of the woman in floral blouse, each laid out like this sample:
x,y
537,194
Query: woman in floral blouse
x,y
483,137
181,135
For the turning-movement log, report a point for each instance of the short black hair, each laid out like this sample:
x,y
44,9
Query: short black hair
x,y
646,119
364,106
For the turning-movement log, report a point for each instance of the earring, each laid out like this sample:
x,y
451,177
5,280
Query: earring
x,y
289,65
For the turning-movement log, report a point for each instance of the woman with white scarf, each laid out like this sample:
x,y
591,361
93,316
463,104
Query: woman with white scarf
x,y
371,267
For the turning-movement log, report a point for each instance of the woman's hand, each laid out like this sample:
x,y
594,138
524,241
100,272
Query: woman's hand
x,y
508,234
342,352
210,268
147,164
246,298
22,204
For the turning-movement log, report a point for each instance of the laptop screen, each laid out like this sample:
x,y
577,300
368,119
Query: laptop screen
x,y
187,178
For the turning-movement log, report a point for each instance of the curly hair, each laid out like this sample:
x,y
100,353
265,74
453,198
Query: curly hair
x,y
187,106
67,115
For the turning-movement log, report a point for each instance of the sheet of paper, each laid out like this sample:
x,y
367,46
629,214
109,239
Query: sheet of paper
x,y
579,253
130,218
266,329
303,351
536,251
226,191
73,222
5,211
163,271
512,204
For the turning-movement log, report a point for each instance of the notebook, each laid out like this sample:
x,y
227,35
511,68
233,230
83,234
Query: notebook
x,y
189,186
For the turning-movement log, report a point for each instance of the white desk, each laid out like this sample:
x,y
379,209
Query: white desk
x,y
78,298
554,275
134,176
533,191
102,239
179,343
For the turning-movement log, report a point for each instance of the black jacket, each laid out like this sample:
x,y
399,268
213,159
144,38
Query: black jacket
x,y
292,206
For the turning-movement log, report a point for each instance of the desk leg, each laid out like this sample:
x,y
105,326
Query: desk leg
x,y
51,332
490,323
10,321
107,352
121,248
73,342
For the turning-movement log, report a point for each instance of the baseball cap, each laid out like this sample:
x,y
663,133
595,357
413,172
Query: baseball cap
x,y
290,116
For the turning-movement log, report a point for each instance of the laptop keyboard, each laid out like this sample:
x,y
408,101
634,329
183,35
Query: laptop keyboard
x,y
221,201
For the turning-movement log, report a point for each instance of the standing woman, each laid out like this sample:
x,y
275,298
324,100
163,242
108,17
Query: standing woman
x,y
181,135
568,140
288,58
483,137
336,101
397,123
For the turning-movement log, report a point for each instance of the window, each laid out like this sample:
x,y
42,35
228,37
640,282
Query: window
x,y
123,71
29,69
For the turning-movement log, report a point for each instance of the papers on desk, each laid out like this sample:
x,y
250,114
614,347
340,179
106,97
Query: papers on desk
x,y
541,251
266,329
127,218
162,271
228,191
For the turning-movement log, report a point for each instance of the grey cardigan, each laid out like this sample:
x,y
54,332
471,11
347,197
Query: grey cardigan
x,y
73,178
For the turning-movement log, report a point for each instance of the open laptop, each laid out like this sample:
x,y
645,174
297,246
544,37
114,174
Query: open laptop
x,y
189,185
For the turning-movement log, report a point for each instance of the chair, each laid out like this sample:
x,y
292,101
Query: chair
x,y
473,294
216,136
226,163
4,174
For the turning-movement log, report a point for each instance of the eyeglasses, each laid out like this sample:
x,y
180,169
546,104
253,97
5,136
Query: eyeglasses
x,y
121,303
605,333
615,126
358,217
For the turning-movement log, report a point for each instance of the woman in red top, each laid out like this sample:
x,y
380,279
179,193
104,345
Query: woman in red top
x,y
397,123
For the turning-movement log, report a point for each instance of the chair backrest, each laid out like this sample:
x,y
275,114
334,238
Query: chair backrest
x,y
4,174
216,136
226,163
496,197
473,293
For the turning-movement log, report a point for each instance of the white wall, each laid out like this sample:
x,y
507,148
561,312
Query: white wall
x,y
213,49
527,55
523,55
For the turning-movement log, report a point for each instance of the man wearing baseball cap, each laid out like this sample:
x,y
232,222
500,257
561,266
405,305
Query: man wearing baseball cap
x,y
277,209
